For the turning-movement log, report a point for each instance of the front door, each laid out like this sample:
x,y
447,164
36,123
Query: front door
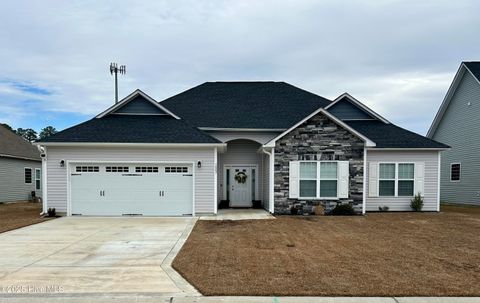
x,y
240,186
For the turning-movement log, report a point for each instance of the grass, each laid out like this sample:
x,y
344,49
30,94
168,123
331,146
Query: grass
x,y
20,214
381,254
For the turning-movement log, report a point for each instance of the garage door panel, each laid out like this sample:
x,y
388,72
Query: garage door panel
x,y
112,192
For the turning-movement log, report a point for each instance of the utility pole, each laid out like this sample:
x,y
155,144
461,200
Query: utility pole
x,y
114,69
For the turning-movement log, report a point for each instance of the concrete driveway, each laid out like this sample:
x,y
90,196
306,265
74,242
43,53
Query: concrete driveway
x,y
95,255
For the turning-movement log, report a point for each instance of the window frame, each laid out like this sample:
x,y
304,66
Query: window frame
x,y
38,179
396,179
459,172
95,169
412,179
25,175
317,179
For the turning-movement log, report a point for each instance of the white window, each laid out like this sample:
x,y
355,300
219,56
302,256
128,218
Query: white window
x,y
176,169
455,170
28,175
396,179
38,179
87,169
386,180
406,179
146,169
308,179
318,179
117,169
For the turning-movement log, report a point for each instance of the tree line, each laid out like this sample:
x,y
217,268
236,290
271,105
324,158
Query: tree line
x,y
30,134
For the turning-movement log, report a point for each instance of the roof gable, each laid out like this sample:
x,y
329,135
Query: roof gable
x,y
13,146
139,106
137,103
465,67
368,142
346,107
245,105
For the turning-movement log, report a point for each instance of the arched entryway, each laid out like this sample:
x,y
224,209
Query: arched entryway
x,y
241,175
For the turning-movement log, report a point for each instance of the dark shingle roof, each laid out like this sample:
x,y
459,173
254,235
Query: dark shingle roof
x,y
244,104
474,67
132,129
392,136
14,146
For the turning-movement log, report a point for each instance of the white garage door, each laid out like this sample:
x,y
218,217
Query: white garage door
x,y
131,189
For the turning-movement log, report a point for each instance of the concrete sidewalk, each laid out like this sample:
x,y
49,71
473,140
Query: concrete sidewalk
x,y
142,298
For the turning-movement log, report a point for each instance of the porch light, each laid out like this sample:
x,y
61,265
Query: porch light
x,y
199,164
62,163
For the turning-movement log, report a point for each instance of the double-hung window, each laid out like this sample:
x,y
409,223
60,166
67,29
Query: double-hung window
x,y
38,179
308,179
396,179
406,179
318,180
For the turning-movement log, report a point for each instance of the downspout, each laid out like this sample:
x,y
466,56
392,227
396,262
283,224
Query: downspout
x,y
43,155
271,155
364,202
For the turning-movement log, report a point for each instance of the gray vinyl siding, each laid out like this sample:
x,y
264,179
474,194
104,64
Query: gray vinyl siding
x,y
260,137
12,179
57,175
430,158
240,152
460,129
139,106
346,110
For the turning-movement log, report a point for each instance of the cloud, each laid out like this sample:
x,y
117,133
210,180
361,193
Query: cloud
x,y
397,56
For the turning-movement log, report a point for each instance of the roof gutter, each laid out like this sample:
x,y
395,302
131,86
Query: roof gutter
x,y
19,157
409,148
105,144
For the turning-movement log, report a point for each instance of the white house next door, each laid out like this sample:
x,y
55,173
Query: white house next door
x,y
241,185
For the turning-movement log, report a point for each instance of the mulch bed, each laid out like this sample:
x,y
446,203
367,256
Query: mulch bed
x,y
381,254
20,214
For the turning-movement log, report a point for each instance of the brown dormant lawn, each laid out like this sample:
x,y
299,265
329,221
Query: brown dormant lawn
x,y
381,254
16,215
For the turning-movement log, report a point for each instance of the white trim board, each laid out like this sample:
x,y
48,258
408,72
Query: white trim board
x,y
359,104
368,142
132,96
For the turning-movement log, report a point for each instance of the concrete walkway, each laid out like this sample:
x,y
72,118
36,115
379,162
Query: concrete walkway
x,y
239,214
82,255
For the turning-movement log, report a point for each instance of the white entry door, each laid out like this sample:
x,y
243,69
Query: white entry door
x,y
241,184
116,189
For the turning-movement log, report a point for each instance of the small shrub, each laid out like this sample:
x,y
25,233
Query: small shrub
x,y
343,210
293,210
52,212
383,208
417,202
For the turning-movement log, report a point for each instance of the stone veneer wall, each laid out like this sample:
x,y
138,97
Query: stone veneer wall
x,y
319,138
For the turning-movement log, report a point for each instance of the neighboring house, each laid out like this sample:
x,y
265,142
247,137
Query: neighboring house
x,y
20,168
237,141
457,124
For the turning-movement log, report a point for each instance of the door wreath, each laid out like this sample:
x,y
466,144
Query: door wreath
x,y
241,177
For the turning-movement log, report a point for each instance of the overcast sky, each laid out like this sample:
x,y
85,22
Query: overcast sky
x,y
398,57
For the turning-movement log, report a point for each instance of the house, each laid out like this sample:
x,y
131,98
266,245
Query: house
x,y
20,168
239,142
457,124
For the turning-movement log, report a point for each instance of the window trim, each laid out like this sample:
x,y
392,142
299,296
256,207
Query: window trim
x,y
24,175
317,179
396,179
459,172
38,179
